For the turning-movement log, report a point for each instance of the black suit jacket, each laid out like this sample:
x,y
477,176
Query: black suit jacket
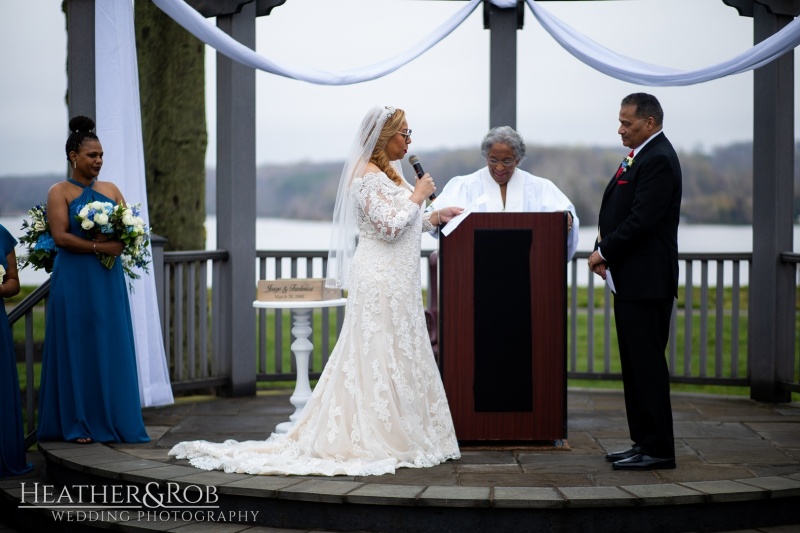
x,y
639,219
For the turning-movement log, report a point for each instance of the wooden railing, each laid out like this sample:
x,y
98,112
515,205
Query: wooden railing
x,y
698,325
189,310
792,258
708,335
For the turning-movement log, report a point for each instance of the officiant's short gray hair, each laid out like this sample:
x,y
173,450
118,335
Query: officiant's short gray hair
x,y
504,135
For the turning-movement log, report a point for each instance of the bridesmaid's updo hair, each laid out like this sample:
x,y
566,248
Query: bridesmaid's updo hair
x,y
80,128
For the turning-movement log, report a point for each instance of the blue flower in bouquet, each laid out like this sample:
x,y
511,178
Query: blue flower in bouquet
x,y
45,242
38,242
95,217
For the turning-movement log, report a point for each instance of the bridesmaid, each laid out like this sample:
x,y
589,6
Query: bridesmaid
x,y
89,391
12,443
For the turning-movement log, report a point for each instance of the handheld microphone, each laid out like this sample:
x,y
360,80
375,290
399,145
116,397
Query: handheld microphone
x,y
414,160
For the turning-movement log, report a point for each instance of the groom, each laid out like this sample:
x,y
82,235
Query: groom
x,y
637,254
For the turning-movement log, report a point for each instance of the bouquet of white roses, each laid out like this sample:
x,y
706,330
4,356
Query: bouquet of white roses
x,y
39,244
119,222
2,273
95,218
130,228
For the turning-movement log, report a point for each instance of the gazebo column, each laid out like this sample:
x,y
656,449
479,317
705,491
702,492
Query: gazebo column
x,y
236,206
502,25
771,314
80,51
771,295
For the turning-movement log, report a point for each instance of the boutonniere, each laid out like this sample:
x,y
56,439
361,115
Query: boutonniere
x,y
627,163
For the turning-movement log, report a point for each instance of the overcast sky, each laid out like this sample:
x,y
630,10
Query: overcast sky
x,y
445,92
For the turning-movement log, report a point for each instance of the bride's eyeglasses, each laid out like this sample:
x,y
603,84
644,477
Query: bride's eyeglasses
x,y
405,133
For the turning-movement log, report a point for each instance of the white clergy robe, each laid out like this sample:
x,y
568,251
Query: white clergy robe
x,y
524,193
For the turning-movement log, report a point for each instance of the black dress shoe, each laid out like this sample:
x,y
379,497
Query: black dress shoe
x,y
644,462
618,456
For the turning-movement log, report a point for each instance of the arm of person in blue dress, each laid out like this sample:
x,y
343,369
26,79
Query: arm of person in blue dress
x,y
58,199
10,285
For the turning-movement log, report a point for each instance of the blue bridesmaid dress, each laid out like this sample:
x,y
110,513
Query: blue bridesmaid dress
x,y
12,443
89,387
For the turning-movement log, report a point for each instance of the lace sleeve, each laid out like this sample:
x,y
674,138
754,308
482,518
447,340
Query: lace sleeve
x,y
427,225
384,207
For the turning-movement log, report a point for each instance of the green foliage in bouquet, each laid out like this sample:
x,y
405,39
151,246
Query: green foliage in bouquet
x,y
38,242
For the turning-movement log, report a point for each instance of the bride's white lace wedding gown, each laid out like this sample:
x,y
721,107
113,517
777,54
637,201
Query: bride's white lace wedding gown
x,y
379,403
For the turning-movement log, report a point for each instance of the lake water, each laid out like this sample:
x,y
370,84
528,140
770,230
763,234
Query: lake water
x,y
284,234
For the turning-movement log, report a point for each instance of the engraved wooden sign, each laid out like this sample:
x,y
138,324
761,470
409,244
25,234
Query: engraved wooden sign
x,y
295,290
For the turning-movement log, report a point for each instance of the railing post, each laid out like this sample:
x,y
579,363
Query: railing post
x,y
157,243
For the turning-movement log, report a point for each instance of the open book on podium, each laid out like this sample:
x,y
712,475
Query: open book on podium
x,y
502,280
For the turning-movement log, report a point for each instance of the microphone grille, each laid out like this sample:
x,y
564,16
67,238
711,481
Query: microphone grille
x,y
413,160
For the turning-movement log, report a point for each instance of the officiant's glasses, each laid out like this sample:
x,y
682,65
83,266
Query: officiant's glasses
x,y
405,133
505,162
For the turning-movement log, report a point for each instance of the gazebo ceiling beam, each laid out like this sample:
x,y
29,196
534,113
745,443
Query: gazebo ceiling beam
x,y
216,8
790,8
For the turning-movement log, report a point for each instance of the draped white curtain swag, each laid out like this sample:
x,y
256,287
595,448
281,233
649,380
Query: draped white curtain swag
x,y
631,70
586,50
119,127
207,32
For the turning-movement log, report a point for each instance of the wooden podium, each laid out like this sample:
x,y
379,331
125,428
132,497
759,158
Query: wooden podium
x,y
502,326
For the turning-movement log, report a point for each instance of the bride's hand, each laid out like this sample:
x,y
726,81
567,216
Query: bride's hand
x,y
423,189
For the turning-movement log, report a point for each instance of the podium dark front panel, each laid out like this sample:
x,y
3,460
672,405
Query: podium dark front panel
x,y
502,326
503,359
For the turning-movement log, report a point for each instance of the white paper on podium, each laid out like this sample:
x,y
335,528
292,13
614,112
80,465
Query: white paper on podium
x,y
455,221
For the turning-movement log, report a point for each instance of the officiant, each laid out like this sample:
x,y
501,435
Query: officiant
x,y
506,188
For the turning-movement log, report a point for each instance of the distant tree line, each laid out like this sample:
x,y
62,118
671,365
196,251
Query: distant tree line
x,y
717,186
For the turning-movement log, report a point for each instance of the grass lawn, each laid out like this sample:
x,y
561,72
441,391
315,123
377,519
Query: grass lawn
x,y
696,364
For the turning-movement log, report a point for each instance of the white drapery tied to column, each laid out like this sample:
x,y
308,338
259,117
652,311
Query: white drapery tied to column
x,y
119,127
586,50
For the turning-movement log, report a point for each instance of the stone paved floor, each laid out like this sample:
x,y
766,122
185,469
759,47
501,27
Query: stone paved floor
x,y
717,438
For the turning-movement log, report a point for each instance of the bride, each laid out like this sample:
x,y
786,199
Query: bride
x,y
379,403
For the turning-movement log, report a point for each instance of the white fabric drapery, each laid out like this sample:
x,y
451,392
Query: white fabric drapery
x,y
119,128
207,32
586,50
634,71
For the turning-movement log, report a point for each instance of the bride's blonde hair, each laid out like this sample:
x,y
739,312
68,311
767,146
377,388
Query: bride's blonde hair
x,y
379,157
